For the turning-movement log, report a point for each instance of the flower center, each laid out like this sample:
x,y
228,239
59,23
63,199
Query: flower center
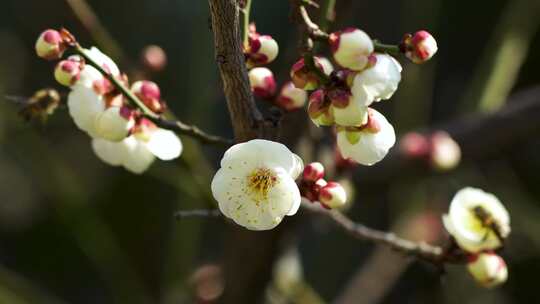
x,y
260,181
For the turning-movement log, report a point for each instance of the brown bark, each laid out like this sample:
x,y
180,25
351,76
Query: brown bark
x,y
248,256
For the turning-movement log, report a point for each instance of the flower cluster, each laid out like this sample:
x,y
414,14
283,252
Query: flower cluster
x,y
479,224
261,50
439,149
255,186
315,188
121,135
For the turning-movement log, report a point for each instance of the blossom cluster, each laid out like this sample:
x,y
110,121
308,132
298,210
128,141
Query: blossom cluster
x,y
261,50
364,77
479,223
315,188
121,135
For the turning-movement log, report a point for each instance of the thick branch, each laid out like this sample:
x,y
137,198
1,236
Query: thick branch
x,y
246,118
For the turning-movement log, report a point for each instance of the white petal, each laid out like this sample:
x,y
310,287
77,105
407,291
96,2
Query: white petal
x,y
109,152
138,157
89,75
370,147
110,125
103,60
164,144
260,152
84,106
353,49
353,115
379,81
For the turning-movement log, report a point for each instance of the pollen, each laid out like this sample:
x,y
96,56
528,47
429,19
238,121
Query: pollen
x,y
259,183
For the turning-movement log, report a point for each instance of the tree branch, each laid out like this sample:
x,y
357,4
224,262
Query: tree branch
x,y
173,125
420,250
246,119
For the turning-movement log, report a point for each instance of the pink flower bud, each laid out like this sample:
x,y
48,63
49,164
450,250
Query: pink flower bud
x,y
50,45
351,48
319,109
333,195
415,145
262,82
154,58
310,190
67,72
149,93
488,269
261,49
291,98
419,47
445,151
313,172
305,79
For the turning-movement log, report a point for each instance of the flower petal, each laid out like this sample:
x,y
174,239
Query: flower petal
x,y
164,144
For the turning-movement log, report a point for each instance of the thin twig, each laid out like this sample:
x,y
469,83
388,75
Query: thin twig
x,y
312,28
430,253
209,213
173,125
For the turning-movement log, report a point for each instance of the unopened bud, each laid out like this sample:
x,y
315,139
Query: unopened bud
x,y
313,172
50,45
419,47
333,195
304,78
351,48
149,93
445,151
154,58
291,98
319,109
262,49
262,82
67,72
414,145
488,269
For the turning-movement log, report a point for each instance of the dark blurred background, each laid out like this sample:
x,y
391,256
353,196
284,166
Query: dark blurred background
x,y
73,230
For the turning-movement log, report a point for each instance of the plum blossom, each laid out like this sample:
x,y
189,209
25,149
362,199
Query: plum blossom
x,y
255,186
477,220
138,151
379,81
419,47
332,195
50,45
368,144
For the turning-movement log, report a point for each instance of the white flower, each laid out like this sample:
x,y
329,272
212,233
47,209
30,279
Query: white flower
x,y
291,98
369,144
255,185
379,81
85,105
114,123
137,152
488,269
351,48
477,220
